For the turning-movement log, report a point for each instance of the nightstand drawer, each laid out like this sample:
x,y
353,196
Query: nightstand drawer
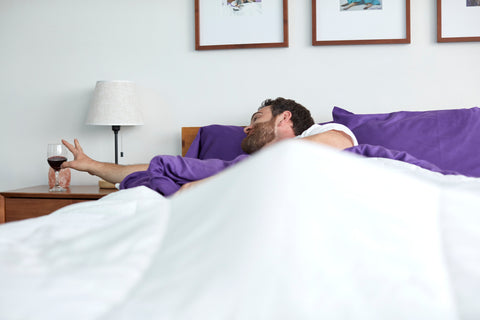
x,y
39,201
19,209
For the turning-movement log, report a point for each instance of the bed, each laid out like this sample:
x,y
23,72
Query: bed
x,y
296,231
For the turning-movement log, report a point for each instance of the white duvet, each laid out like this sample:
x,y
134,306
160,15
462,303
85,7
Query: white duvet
x,y
297,231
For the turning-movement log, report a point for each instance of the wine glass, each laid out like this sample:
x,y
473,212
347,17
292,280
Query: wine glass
x,y
56,155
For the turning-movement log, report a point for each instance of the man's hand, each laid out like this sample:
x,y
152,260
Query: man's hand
x,y
110,172
81,161
188,185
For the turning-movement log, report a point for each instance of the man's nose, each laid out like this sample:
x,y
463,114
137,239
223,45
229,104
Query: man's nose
x,y
247,129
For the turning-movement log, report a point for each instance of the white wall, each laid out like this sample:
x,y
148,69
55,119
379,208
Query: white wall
x,y
53,51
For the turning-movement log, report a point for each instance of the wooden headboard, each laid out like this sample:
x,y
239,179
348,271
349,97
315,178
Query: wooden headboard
x,y
188,135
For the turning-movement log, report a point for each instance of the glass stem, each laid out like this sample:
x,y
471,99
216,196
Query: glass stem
x,y
57,182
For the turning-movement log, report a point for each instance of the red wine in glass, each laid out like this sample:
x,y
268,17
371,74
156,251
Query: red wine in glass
x,y
56,155
56,162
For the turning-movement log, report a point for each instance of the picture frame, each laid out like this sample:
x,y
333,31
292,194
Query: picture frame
x,y
237,24
458,20
383,21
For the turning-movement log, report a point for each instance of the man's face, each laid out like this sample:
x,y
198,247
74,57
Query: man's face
x,y
260,132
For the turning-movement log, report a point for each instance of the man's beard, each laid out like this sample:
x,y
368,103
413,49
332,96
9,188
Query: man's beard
x,y
260,135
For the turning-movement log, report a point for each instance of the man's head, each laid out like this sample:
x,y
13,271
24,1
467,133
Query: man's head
x,y
274,121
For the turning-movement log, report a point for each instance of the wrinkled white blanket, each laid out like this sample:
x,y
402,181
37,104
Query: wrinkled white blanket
x,y
297,231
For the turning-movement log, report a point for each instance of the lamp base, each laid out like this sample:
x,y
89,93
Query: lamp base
x,y
115,133
102,184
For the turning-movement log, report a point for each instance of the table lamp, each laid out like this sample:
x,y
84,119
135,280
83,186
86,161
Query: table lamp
x,y
115,103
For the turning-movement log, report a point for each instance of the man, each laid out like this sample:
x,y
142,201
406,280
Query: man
x,y
275,120
281,119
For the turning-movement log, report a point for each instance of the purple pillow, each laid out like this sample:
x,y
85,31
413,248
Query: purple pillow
x,y
447,138
217,142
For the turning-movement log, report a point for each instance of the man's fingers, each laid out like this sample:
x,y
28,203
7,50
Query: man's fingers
x,y
77,145
73,149
66,164
69,146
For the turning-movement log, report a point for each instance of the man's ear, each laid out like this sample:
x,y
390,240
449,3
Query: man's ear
x,y
284,117
285,126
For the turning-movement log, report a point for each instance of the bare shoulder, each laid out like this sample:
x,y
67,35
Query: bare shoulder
x,y
333,138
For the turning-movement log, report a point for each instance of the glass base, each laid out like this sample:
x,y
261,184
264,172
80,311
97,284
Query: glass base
x,y
57,189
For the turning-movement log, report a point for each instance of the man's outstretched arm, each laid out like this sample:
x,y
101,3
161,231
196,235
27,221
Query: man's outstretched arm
x,y
110,172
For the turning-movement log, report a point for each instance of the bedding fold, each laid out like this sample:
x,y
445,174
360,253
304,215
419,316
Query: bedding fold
x,y
325,239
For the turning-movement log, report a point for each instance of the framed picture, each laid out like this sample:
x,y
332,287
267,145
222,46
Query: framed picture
x,y
458,20
233,24
340,22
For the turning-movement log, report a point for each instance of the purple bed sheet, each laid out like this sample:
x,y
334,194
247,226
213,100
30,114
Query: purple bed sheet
x,y
372,151
166,174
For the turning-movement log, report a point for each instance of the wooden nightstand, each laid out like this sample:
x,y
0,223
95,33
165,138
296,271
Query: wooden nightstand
x,y
38,201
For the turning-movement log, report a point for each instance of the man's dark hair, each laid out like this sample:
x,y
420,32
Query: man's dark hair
x,y
301,117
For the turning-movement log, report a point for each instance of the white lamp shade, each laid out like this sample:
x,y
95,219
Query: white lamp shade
x,y
115,103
